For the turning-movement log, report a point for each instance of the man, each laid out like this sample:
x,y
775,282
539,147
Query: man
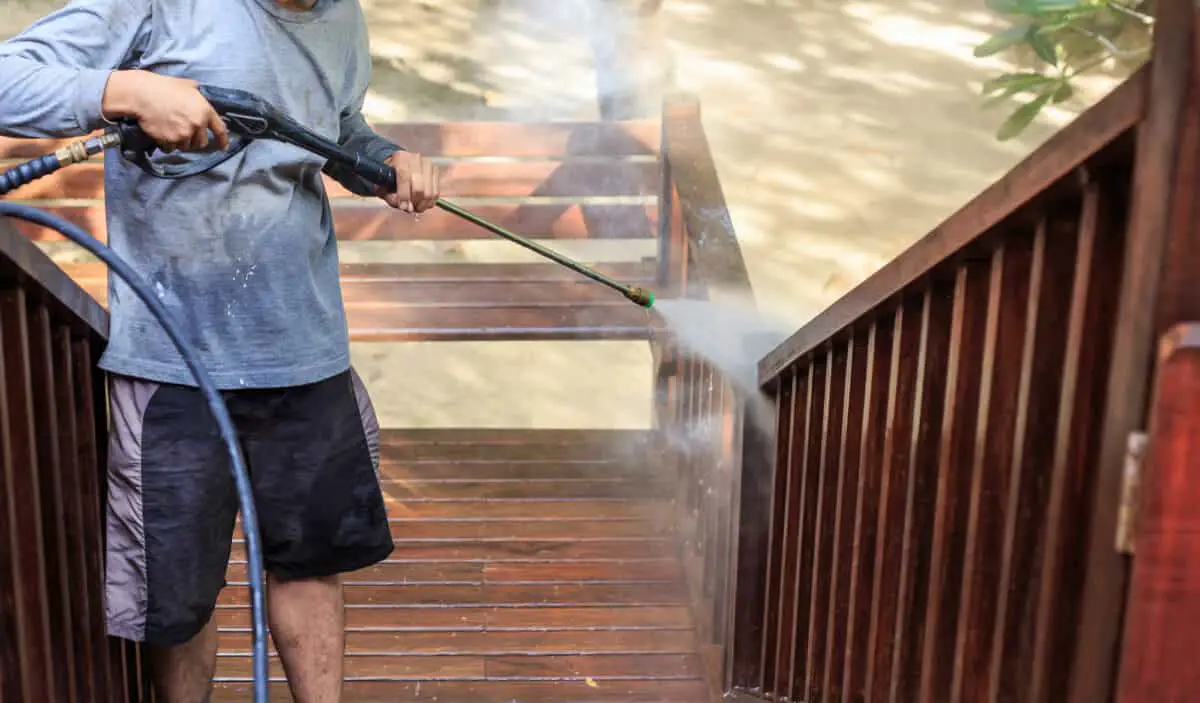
x,y
246,256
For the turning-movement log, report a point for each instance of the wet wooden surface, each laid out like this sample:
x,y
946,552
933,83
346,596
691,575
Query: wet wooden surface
x,y
528,567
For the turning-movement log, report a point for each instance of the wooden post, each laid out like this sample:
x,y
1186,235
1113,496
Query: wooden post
x,y
1162,618
1158,290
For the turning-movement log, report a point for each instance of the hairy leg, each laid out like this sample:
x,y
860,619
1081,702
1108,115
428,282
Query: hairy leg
x,y
308,625
183,673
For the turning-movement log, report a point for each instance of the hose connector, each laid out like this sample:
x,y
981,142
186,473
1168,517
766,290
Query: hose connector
x,y
641,296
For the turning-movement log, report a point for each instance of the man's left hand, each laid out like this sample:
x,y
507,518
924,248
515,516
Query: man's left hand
x,y
417,182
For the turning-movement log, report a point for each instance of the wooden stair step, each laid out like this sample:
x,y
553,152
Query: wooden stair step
x,y
540,489
598,667
508,643
495,692
407,302
511,469
479,530
440,618
369,220
565,510
494,436
558,139
634,450
472,573
512,595
519,550
462,179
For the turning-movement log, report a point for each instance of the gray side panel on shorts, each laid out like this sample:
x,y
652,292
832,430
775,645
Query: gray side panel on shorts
x,y
125,571
370,421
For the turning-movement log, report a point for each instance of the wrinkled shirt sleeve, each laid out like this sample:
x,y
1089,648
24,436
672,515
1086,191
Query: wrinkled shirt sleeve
x,y
53,74
357,136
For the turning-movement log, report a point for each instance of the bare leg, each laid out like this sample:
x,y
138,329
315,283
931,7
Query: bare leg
x,y
183,673
308,626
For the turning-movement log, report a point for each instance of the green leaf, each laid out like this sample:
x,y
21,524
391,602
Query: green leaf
x,y
1031,7
1045,47
1063,92
1016,82
1023,116
1002,40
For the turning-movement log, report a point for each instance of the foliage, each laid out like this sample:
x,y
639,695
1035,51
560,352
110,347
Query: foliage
x,y
1058,40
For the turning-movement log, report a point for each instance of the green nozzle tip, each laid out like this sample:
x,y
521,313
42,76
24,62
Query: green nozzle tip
x,y
641,296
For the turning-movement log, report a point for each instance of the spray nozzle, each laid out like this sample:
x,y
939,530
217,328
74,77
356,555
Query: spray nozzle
x,y
641,296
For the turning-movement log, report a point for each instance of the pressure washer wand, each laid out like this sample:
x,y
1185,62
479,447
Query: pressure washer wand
x,y
636,294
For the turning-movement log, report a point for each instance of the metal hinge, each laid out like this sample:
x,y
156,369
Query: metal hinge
x,y
1131,483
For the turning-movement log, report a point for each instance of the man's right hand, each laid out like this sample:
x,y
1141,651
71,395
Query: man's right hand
x,y
170,110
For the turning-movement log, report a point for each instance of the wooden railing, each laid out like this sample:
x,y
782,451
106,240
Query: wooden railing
x,y
701,414
942,518
53,645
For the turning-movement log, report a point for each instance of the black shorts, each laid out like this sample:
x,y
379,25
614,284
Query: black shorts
x,y
313,456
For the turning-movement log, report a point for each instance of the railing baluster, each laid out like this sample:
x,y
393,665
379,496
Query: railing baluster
x,y
920,491
828,685
802,451
786,441
889,538
24,500
953,485
1078,429
1045,339
1007,304
752,537
75,525
873,443
810,649
64,632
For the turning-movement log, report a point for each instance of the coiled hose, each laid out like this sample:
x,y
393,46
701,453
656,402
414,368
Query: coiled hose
x,y
212,395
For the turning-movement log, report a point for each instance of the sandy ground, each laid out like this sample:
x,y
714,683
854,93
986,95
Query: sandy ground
x,y
842,130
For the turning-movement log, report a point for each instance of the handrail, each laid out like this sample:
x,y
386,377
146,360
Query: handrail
x,y
944,517
20,257
52,487
1030,180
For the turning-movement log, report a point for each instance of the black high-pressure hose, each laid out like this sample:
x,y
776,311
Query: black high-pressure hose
x,y
43,165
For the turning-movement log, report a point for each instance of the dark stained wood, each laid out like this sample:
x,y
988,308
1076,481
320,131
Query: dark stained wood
x,y
1057,643
495,692
1062,154
374,221
23,262
1160,641
849,462
920,492
958,430
778,657
711,237
561,643
441,619
789,414
23,505
1007,305
875,414
1158,291
910,325
75,525
63,627
469,139
516,179
1063,261
395,302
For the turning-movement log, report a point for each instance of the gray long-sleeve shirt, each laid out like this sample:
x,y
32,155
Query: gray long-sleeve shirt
x,y
245,255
